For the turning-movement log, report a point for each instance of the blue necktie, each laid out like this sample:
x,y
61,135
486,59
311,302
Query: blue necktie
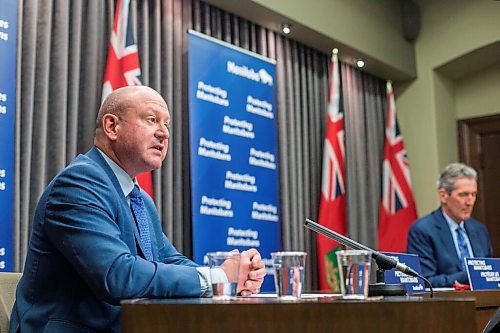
x,y
137,205
462,246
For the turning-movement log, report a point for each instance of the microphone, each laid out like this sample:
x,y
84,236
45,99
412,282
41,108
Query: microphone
x,y
384,262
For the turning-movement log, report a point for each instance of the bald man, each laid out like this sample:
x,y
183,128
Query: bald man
x,y
86,253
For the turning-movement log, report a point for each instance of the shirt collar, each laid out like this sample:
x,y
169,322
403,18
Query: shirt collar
x,y
126,183
452,224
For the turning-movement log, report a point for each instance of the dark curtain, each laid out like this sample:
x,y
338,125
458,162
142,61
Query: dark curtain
x,y
62,52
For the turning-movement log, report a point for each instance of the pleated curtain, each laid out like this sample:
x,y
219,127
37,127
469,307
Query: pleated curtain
x,y
62,51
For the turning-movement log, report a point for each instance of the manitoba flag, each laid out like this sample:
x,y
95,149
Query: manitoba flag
x,y
123,68
397,210
332,204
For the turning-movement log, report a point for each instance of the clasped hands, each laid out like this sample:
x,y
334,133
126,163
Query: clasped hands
x,y
251,271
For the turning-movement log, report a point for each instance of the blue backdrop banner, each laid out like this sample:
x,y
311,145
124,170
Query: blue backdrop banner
x,y
8,37
234,158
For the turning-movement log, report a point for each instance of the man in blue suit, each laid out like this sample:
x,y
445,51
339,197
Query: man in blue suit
x,y
447,235
86,253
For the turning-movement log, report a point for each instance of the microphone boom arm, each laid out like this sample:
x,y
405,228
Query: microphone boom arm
x,y
384,262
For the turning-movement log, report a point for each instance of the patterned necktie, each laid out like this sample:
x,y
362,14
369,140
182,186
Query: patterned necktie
x,y
137,205
462,246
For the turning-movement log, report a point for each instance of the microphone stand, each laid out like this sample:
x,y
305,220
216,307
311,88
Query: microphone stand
x,y
380,288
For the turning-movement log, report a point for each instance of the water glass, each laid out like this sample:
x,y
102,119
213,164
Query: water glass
x,y
224,270
354,273
289,274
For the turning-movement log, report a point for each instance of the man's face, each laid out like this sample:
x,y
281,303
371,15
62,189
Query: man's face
x,y
142,134
459,203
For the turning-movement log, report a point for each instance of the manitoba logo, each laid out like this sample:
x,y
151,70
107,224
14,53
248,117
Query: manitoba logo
x,y
261,75
265,77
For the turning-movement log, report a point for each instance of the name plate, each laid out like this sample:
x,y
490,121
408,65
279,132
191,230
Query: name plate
x,y
484,273
412,284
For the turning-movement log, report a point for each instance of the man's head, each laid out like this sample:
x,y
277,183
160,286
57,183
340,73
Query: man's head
x,y
457,190
132,128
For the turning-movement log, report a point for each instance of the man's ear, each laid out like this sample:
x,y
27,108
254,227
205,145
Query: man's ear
x,y
443,195
110,126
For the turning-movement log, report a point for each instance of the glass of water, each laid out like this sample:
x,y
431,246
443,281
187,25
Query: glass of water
x,y
354,273
224,271
289,274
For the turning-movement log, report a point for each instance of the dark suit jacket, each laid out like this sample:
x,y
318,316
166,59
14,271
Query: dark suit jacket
x,y
83,256
431,239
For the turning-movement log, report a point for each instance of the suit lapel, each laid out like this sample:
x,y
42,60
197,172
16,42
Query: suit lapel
x,y
446,236
475,241
129,228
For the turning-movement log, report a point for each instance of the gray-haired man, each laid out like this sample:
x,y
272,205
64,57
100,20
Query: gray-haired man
x,y
447,235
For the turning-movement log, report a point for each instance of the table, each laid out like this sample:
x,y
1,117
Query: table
x,y
254,314
486,303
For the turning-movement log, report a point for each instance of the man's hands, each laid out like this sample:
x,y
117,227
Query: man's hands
x,y
252,272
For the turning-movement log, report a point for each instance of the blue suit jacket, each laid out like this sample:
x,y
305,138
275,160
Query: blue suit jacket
x,y
83,256
431,239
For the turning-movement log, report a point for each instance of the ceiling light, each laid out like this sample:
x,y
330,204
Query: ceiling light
x,y
360,63
286,28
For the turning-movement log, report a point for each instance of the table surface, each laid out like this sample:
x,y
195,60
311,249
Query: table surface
x,y
269,314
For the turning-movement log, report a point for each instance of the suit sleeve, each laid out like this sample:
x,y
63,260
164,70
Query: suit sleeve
x,y
420,243
81,220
